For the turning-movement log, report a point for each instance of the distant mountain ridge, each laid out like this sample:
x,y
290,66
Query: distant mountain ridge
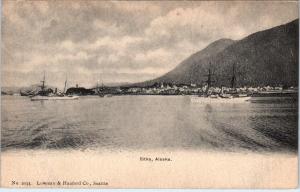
x,y
268,57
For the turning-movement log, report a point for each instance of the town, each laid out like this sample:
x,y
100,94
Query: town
x,y
170,89
161,89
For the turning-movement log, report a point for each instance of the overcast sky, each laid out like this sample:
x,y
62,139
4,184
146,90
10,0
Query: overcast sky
x,y
120,41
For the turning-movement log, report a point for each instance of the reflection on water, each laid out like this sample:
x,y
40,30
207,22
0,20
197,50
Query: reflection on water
x,y
149,122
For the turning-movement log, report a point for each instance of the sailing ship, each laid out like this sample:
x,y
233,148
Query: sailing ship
x,y
231,97
233,91
209,82
47,94
100,92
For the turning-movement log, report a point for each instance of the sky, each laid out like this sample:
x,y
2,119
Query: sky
x,y
120,42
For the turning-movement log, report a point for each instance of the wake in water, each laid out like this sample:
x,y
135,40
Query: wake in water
x,y
149,122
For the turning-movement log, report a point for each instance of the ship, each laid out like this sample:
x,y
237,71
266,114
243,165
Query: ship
x,y
47,94
100,91
229,97
233,91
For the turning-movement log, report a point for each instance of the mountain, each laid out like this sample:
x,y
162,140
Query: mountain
x,y
268,57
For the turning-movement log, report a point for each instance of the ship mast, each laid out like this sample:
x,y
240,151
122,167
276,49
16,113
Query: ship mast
x,y
209,79
233,78
97,88
43,84
65,85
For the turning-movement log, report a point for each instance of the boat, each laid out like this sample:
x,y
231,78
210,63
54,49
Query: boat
x,y
221,97
226,96
108,95
207,100
46,95
40,98
213,96
242,95
101,93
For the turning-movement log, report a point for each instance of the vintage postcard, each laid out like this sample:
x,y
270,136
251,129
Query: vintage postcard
x,y
149,94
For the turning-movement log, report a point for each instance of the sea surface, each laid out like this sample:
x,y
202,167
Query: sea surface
x,y
149,122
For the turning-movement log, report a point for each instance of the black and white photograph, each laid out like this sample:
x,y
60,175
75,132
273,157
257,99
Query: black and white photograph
x,y
149,94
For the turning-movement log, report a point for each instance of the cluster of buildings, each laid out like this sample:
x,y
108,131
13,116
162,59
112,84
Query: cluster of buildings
x,y
183,89
165,89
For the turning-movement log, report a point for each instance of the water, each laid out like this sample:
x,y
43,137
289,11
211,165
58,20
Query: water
x,y
149,122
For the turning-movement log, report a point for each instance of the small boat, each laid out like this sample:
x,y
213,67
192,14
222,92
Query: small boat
x,y
108,95
226,96
104,95
243,95
214,96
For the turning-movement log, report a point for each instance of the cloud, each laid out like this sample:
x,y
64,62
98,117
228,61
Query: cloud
x,y
116,44
121,41
158,57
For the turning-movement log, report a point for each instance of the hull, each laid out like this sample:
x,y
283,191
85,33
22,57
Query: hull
x,y
220,100
108,95
41,98
26,94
